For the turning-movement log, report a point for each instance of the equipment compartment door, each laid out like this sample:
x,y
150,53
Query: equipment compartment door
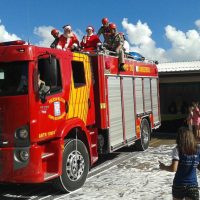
x,y
115,111
129,114
139,96
155,97
147,95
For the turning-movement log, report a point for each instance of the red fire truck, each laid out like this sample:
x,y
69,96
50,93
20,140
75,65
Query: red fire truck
x,y
89,108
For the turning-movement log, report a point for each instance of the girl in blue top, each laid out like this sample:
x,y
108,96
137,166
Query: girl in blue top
x,y
185,161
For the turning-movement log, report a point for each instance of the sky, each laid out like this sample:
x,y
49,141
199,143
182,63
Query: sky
x,y
163,30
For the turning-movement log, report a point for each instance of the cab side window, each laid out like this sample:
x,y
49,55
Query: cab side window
x,y
78,74
50,74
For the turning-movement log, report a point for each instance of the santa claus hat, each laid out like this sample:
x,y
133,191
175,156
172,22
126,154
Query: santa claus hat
x,y
90,27
67,27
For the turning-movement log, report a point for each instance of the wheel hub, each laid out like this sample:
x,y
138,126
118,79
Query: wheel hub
x,y
75,165
145,135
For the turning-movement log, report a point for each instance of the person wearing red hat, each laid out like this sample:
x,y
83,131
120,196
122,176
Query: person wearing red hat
x,y
68,40
55,34
90,41
104,30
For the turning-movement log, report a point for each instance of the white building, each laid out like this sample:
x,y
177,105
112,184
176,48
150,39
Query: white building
x,y
179,86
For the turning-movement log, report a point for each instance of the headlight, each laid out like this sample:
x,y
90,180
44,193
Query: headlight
x,y
23,155
22,133
22,136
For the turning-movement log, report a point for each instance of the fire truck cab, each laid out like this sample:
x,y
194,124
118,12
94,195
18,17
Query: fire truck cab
x,y
84,107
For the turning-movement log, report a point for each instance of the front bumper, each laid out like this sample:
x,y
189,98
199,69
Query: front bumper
x,y
12,170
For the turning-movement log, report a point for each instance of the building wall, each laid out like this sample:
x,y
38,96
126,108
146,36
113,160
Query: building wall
x,y
177,91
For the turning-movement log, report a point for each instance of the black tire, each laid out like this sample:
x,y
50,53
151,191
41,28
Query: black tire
x,y
143,143
75,166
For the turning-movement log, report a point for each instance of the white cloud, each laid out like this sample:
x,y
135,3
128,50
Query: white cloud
x,y
44,33
184,46
5,35
134,32
139,37
197,23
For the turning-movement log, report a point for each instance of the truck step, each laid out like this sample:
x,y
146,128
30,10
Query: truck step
x,y
92,133
47,155
93,145
94,159
48,176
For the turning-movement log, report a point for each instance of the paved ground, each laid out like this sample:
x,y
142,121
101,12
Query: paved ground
x,y
137,178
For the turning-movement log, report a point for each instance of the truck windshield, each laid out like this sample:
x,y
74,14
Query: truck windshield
x,y
13,78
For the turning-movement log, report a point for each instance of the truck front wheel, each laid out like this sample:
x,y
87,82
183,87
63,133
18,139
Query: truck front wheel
x,y
75,166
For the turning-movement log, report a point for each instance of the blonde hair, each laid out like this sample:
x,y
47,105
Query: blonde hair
x,y
186,141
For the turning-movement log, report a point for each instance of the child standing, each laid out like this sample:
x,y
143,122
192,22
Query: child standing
x,y
190,118
198,122
196,119
185,160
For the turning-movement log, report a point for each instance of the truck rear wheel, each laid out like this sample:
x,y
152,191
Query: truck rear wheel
x,y
75,166
143,143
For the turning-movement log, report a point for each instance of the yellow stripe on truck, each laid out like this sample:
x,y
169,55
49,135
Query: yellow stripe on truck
x,y
78,99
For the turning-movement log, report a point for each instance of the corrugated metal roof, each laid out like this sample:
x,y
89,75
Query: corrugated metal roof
x,y
179,66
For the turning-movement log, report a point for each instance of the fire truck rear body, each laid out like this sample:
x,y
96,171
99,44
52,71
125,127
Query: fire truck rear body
x,y
91,108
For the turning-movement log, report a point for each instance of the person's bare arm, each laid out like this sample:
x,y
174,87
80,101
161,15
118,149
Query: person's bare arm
x,y
170,168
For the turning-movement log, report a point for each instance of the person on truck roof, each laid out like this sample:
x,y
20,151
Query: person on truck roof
x,y
116,43
90,41
68,40
104,30
55,34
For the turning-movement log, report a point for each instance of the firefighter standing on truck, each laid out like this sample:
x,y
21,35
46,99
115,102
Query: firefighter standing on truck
x,y
104,30
116,42
68,40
